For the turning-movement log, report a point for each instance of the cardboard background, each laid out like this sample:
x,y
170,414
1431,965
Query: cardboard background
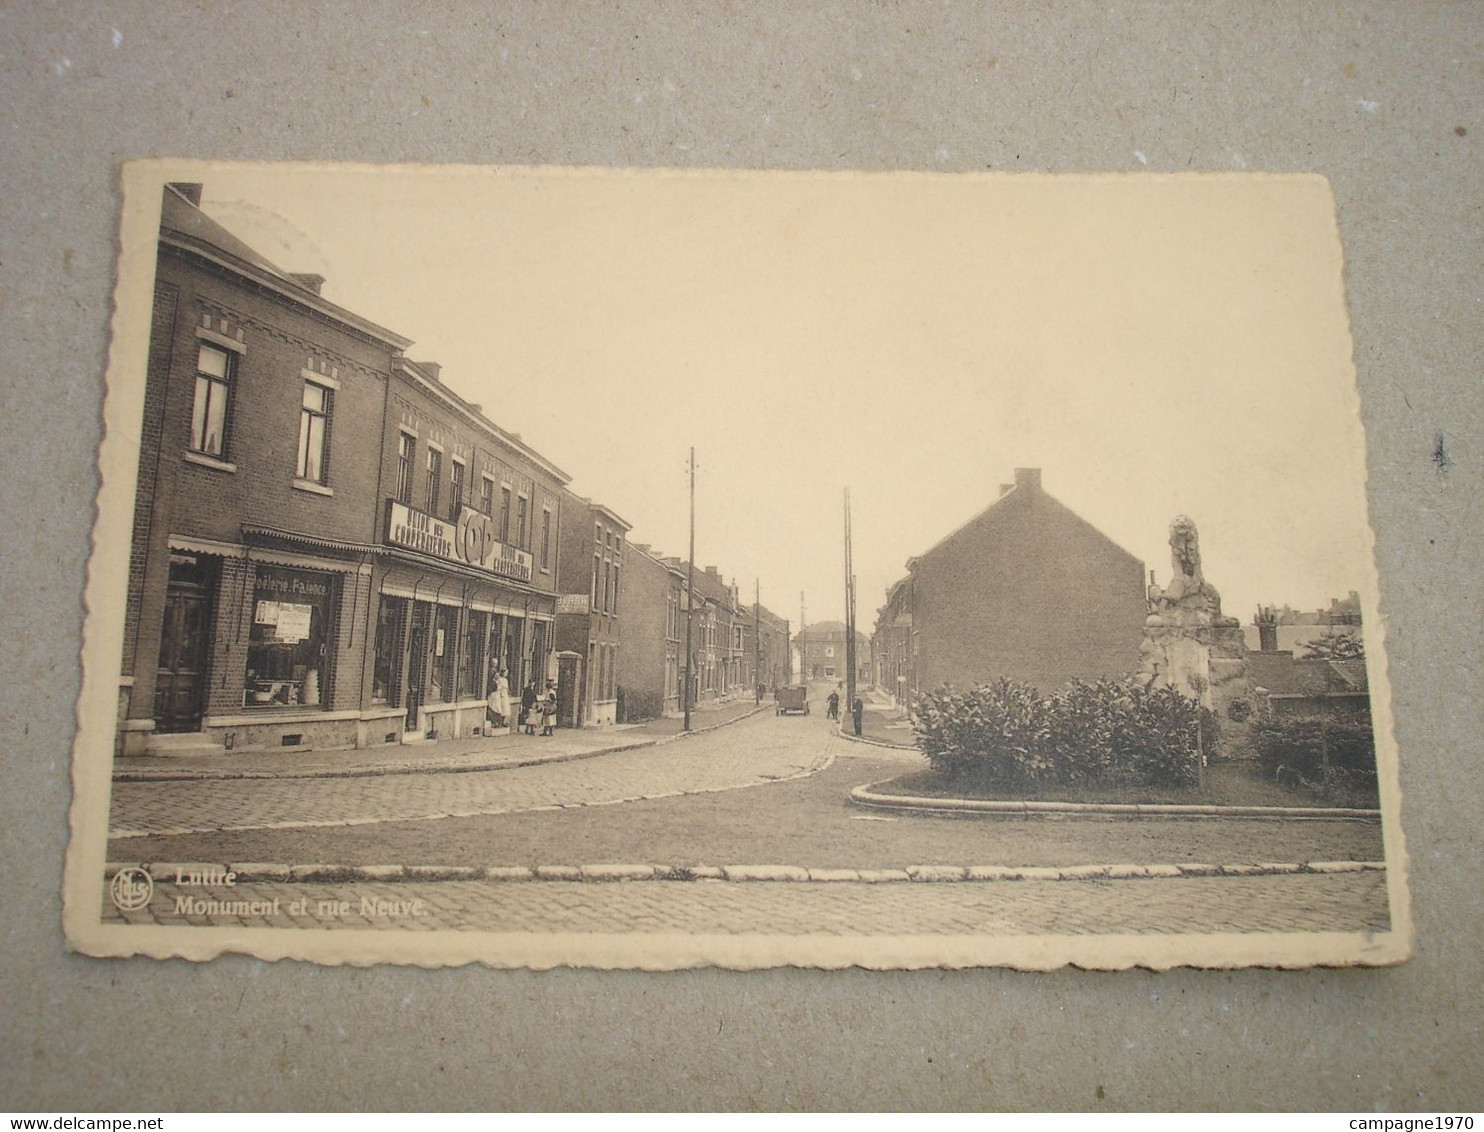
x,y
1382,99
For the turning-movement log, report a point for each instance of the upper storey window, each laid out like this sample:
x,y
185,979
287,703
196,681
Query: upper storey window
x,y
213,395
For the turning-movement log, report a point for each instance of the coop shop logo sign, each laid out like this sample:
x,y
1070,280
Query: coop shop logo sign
x,y
471,540
131,889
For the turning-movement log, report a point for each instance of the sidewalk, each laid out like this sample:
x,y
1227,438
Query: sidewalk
x,y
883,724
481,752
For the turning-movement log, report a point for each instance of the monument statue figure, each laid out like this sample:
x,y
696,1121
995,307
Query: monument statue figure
x,y
1188,594
1188,645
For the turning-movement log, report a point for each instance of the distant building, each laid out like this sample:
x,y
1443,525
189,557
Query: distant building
x,y
772,649
649,663
715,655
735,645
1283,627
590,565
893,645
822,651
1026,590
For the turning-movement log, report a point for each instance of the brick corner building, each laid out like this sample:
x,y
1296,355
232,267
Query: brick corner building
x,y
331,548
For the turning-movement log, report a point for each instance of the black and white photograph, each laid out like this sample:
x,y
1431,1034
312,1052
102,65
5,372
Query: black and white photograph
x,y
656,569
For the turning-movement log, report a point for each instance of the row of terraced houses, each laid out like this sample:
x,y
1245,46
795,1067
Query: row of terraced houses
x,y
333,548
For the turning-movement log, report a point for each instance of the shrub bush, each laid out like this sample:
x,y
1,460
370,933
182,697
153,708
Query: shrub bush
x,y
1300,745
992,732
636,707
1107,731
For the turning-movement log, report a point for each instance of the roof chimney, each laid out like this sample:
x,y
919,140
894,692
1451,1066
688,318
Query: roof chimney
x,y
1028,478
711,570
432,369
308,280
189,189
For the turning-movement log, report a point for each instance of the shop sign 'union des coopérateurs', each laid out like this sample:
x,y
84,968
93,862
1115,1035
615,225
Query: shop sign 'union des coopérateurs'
x,y
471,540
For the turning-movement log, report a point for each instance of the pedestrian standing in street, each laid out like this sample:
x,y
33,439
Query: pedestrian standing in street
x,y
832,706
528,707
857,709
497,708
548,709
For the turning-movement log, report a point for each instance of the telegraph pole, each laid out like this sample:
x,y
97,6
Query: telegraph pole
x,y
690,590
849,612
803,660
757,640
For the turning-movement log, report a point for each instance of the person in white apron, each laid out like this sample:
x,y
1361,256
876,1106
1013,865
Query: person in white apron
x,y
498,704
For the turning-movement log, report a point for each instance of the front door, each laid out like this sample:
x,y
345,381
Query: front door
x,y
180,678
417,660
569,680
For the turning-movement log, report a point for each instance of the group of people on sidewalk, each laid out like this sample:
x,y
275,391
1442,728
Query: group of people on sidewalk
x,y
535,706
857,709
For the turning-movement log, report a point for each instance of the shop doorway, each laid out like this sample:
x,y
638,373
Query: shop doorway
x,y
180,678
417,660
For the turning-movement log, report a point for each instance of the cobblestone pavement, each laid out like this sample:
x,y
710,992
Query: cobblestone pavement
x,y
806,821
1342,902
766,790
759,750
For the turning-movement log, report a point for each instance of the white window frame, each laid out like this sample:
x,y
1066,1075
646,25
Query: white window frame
x,y
327,388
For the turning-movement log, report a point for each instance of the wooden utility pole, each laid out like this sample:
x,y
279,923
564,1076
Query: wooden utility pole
x,y
757,640
803,660
849,613
690,592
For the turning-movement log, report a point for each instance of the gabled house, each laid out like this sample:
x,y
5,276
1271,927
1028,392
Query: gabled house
x,y
1027,590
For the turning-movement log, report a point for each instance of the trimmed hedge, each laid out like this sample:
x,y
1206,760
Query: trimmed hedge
x,y
1101,732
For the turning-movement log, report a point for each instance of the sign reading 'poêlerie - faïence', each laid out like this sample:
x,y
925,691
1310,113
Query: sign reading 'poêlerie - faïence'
x,y
471,540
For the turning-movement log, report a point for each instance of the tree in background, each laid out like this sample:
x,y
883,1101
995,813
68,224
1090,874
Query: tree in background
x,y
1336,646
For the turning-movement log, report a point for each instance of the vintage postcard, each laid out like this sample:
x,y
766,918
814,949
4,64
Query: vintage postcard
x,y
648,568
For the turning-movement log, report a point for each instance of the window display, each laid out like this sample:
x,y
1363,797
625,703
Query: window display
x,y
288,654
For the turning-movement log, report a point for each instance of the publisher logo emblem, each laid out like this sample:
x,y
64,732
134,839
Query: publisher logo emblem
x,y
131,889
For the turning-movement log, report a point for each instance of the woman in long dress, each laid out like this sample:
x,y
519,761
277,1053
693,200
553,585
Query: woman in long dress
x,y
528,707
548,710
499,701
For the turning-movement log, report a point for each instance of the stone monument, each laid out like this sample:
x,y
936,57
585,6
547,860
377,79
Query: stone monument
x,y
1188,644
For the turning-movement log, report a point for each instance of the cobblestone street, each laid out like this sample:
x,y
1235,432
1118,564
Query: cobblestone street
x,y
764,791
755,751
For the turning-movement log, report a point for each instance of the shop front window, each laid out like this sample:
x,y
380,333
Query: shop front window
x,y
471,661
288,648
445,650
386,672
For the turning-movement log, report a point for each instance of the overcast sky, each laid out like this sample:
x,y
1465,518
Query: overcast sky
x,y
1157,345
